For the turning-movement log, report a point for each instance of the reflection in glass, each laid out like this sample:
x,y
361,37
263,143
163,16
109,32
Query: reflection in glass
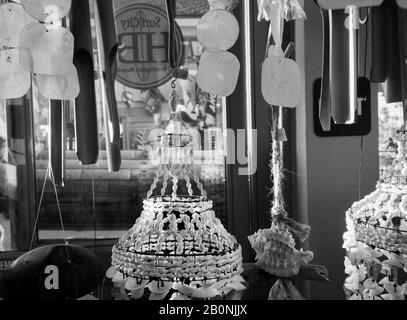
x,y
99,204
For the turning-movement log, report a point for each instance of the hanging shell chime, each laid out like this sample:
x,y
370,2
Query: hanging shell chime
x,y
218,30
177,249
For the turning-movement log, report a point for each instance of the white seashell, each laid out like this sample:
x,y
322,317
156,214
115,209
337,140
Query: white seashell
x,y
133,284
111,272
205,293
179,297
237,286
159,287
183,289
137,294
157,297
118,277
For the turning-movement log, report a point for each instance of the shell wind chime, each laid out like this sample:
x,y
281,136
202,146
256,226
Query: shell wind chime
x,y
376,239
177,249
218,31
275,247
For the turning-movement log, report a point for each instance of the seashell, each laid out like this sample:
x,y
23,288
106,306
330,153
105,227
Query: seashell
x,y
133,284
118,277
218,29
111,272
179,297
205,293
157,297
237,286
159,287
183,289
137,294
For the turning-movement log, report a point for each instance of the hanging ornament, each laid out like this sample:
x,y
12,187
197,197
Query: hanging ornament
x,y
13,19
218,73
281,81
46,50
275,247
58,87
86,117
344,98
325,110
177,244
376,238
281,77
218,31
14,80
402,3
108,65
47,10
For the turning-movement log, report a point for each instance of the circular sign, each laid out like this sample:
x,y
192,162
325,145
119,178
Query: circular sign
x,y
143,34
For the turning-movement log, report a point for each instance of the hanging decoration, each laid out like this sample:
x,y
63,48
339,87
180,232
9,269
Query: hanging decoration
x,y
218,30
86,118
281,76
339,92
108,64
46,50
14,80
325,111
275,247
376,240
177,249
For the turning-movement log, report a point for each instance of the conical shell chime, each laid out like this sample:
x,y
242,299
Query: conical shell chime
x,y
177,245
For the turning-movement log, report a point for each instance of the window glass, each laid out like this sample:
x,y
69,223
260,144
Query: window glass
x,y
15,181
98,204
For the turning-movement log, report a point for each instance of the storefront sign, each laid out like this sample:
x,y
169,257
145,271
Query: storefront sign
x,y
144,45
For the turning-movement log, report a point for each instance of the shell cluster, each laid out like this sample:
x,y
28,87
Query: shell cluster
x,y
376,243
276,252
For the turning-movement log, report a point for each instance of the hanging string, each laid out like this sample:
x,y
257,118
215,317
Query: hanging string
x,y
37,216
364,22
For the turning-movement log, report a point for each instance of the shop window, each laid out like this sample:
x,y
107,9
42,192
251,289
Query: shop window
x,y
98,204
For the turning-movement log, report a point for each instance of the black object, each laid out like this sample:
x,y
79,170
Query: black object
x,y
325,101
339,68
363,124
392,85
79,272
110,48
381,34
56,140
86,127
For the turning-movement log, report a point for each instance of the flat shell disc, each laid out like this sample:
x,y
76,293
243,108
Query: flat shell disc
x,y
342,4
13,19
218,73
14,80
65,87
218,29
223,4
281,82
402,3
46,51
47,10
